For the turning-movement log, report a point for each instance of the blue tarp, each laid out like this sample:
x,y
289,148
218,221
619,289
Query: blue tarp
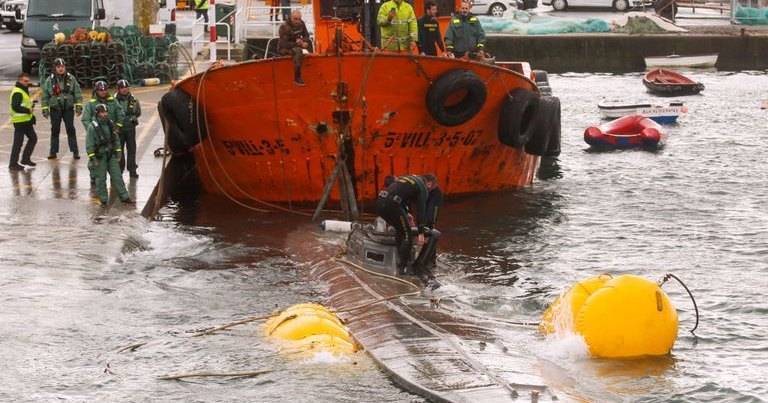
x,y
751,15
541,25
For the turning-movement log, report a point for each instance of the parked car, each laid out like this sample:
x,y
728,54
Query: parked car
x,y
618,5
497,8
12,13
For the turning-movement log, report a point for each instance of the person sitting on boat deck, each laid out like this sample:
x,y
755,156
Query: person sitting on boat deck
x,y
429,31
397,22
465,34
393,204
104,148
294,39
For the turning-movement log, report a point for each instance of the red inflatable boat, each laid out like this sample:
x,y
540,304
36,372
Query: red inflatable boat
x,y
626,132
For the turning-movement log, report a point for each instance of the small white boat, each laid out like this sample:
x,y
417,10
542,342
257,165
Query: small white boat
x,y
661,113
700,61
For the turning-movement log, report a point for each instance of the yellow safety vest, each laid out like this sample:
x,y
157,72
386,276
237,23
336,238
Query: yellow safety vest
x,y
19,117
201,5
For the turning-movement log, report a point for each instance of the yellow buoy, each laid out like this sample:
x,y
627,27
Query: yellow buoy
x,y
311,327
625,316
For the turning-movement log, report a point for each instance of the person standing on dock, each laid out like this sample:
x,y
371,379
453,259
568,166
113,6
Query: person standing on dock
x,y
397,21
393,204
62,99
429,31
201,10
294,40
20,108
116,114
132,110
465,34
103,146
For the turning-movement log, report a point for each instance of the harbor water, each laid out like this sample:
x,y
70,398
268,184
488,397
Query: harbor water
x,y
96,306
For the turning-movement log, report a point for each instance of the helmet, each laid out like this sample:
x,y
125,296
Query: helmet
x,y
100,85
122,84
59,62
101,108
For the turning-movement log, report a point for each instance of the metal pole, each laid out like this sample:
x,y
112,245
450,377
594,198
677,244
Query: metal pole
x,y
212,28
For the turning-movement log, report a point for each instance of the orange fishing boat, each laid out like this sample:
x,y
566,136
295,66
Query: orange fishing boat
x,y
363,114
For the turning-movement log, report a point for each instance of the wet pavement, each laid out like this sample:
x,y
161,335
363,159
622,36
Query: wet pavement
x,y
67,178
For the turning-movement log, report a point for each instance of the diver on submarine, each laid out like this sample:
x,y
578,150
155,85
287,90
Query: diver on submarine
x,y
422,194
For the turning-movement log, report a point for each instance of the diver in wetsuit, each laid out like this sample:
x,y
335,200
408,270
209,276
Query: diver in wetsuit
x,y
393,205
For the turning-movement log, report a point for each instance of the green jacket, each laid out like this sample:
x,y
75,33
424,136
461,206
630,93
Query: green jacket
x,y
61,92
402,30
464,34
132,109
101,141
116,113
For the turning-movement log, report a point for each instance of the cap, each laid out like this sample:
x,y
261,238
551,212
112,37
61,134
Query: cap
x,y
122,84
100,85
101,108
59,62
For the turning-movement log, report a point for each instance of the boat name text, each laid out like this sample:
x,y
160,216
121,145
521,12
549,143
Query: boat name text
x,y
251,148
431,139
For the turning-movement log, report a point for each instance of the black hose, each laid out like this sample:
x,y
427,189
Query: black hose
x,y
695,307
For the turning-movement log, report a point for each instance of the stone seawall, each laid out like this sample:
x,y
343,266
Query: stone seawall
x,y
618,53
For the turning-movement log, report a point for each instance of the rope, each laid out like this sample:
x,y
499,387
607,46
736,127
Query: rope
x,y
695,307
223,169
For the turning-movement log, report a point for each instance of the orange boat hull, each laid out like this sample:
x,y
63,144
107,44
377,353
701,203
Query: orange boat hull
x,y
273,141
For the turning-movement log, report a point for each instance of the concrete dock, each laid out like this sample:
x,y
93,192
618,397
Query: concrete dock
x,y
67,178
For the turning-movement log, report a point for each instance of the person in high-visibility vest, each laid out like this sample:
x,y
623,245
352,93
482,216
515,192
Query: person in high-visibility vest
x,y
20,108
397,22
201,9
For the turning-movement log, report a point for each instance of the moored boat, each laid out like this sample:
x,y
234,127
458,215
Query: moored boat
x,y
255,136
674,60
670,83
661,113
634,131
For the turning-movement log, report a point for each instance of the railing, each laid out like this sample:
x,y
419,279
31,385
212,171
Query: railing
x,y
199,40
198,36
257,17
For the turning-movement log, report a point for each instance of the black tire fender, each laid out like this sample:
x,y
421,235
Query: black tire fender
x,y
516,119
178,112
449,84
546,138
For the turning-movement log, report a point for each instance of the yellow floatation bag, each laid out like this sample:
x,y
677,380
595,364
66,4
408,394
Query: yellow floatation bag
x,y
311,327
625,316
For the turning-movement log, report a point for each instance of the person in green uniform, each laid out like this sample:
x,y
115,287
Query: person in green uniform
x,y
103,147
465,35
62,99
101,96
132,111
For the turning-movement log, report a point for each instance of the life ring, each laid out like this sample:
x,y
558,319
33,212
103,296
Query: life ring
x,y
178,111
449,86
518,112
546,127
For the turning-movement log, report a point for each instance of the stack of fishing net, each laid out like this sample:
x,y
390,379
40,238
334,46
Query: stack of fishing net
x,y
112,55
148,56
90,55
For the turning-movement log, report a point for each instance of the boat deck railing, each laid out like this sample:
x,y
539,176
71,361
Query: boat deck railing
x,y
258,21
